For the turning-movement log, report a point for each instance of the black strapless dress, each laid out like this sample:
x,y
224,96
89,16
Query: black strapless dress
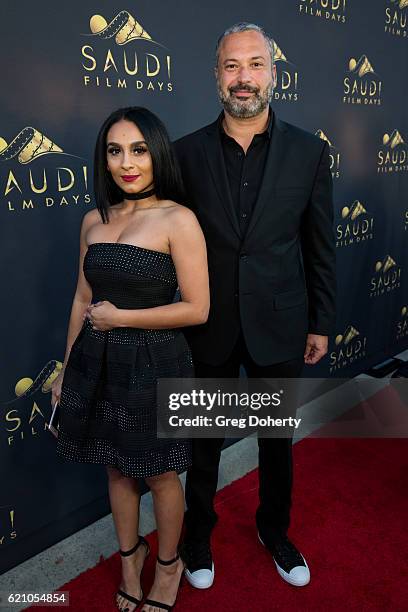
x,y
108,411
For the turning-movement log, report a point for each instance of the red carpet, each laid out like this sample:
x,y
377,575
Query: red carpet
x,y
349,519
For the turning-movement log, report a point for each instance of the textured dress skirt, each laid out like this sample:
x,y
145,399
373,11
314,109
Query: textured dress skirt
x,y
108,404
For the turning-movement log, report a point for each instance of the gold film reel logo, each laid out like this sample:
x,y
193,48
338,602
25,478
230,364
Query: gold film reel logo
x,y
22,423
396,20
392,155
402,4
334,154
386,278
28,145
124,28
323,136
350,346
278,55
361,67
402,324
362,85
133,66
354,211
287,76
386,264
356,225
349,334
393,140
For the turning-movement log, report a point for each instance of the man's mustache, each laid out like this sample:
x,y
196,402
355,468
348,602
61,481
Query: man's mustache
x,y
243,87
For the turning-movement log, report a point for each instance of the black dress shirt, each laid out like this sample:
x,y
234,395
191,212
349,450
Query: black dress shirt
x,y
245,171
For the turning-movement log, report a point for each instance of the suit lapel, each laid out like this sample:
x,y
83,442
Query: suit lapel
x,y
273,164
216,163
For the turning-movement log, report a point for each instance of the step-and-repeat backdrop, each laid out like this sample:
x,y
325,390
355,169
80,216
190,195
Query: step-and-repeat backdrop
x,y
342,74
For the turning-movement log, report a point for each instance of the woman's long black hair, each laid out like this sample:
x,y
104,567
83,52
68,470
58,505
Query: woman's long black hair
x,y
168,182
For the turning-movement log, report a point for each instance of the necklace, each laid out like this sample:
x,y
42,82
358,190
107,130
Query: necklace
x,y
138,196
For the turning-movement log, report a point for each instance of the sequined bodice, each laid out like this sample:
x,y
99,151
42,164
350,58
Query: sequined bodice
x,y
129,276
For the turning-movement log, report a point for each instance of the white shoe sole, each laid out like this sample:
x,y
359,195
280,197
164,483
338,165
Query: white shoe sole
x,y
284,574
196,583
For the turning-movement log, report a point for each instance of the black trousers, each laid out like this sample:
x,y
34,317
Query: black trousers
x,y
275,459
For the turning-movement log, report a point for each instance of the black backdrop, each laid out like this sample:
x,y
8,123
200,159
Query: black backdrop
x,y
342,73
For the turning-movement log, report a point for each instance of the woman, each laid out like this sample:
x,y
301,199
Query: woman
x,y
134,250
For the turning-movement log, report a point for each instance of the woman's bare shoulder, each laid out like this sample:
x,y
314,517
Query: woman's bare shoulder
x,y
180,214
92,217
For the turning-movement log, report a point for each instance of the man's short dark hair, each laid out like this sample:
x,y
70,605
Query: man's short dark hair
x,y
245,26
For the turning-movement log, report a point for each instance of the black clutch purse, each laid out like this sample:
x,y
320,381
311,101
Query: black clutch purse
x,y
53,425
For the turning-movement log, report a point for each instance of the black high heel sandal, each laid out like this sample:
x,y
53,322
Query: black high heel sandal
x,y
160,604
127,553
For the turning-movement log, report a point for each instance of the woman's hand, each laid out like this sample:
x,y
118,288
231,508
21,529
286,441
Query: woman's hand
x,y
103,316
56,388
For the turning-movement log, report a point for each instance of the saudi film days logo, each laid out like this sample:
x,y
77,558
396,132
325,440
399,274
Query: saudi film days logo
x,y
387,277
334,155
356,225
349,348
23,417
331,10
287,77
27,183
392,156
396,18
123,57
362,85
402,324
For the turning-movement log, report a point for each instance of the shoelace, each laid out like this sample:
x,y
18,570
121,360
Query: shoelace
x,y
288,553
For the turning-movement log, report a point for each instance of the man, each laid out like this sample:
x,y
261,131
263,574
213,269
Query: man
x,y
262,192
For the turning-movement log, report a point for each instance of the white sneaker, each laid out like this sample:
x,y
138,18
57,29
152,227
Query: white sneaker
x,y
199,564
201,578
290,563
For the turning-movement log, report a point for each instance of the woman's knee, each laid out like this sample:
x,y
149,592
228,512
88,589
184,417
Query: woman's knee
x,y
115,475
162,480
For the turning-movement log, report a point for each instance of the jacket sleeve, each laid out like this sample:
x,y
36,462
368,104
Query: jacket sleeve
x,y
319,251
181,152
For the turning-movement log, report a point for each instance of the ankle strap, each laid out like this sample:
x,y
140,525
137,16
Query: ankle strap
x,y
176,558
126,553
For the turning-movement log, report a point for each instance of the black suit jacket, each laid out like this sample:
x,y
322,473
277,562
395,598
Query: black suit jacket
x,y
277,281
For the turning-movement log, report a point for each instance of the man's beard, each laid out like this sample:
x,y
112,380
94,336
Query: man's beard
x,y
251,107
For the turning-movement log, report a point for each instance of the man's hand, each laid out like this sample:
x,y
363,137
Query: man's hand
x,y
103,315
316,348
